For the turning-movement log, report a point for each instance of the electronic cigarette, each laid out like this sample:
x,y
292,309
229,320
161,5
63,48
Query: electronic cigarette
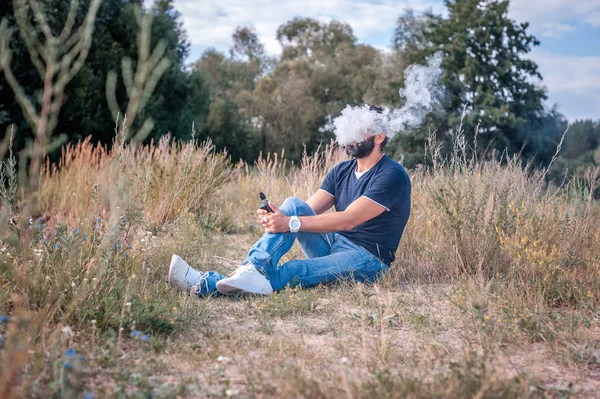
x,y
265,203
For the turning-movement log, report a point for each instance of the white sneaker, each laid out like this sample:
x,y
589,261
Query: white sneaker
x,y
183,277
246,279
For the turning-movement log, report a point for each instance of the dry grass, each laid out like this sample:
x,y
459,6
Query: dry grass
x,y
494,292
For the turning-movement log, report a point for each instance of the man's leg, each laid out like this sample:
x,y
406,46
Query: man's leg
x,y
272,246
250,277
347,260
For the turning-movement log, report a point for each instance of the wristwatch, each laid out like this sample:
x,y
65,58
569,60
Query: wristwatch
x,y
294,224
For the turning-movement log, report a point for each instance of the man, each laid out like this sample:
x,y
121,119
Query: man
x,y
371,194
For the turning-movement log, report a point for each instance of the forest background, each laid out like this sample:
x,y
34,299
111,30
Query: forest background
x,y
248,101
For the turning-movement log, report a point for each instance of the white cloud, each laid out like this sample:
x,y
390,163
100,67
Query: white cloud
x,y
551,18
572,82
211,22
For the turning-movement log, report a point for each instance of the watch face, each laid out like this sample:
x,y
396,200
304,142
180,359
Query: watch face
x,y
295,223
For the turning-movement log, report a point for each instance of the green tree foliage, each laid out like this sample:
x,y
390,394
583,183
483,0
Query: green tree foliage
x,y
230,79
485,69
179,99
322,69
580,150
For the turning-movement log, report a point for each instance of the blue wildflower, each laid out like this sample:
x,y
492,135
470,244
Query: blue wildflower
x,y
70,352
68,365
4,319
145,337
135,333
58,246
89,395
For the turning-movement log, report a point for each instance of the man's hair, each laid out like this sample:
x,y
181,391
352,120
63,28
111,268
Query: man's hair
x,y
379,110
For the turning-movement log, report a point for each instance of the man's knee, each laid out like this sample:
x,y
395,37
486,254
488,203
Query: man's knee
x,y
294,206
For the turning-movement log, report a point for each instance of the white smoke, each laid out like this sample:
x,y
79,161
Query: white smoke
x,y
422,91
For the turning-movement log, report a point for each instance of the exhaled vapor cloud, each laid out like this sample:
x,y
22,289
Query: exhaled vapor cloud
x,y
422,91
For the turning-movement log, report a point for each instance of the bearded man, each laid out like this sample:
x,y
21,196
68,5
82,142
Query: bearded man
x,y
371,194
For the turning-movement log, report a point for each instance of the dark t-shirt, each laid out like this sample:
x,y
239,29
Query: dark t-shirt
x,y
386,184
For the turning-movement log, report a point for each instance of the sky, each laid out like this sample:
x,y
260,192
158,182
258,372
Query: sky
x,y
569,31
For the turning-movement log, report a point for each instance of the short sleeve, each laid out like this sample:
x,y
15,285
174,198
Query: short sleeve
x,y
387,188
328,184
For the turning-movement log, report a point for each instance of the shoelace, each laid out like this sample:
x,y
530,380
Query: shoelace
x,y
198,286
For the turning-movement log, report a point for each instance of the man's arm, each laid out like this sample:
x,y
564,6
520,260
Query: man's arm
x,y
360,211
320,201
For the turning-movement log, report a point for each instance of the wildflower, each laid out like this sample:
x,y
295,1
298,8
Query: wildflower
x,y
89,395
482,324
145,337
4,319
223,359
135,333
70,352
486,317
67,331
68,365
58,246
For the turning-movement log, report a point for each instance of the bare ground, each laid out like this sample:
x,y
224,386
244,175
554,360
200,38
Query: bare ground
x,y
338,341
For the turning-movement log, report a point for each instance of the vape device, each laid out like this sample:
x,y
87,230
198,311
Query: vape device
x,y
265,203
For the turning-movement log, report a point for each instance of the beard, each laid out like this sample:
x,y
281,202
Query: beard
x,y
361,149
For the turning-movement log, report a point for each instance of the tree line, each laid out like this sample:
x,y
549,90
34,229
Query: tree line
x,y
248,101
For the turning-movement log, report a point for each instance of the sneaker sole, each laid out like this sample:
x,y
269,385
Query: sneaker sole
x,y
174,259
225,288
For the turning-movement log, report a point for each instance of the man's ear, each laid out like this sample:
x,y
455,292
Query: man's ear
x,y
379,138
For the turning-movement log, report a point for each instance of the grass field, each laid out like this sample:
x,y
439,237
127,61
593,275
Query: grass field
x,y
494,292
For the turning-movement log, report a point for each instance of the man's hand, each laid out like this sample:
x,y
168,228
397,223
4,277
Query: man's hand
x,y
276,222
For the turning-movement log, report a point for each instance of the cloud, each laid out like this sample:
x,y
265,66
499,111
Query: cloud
x,y
552,18
213,23
572,82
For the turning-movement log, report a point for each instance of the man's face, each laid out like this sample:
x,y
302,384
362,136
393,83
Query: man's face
x,y
361,149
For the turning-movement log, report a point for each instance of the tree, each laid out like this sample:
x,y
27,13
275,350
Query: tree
x,y
231,81
322,68
178,100
485,69
580,150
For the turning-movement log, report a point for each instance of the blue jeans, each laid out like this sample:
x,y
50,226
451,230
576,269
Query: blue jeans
x,y
330,257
